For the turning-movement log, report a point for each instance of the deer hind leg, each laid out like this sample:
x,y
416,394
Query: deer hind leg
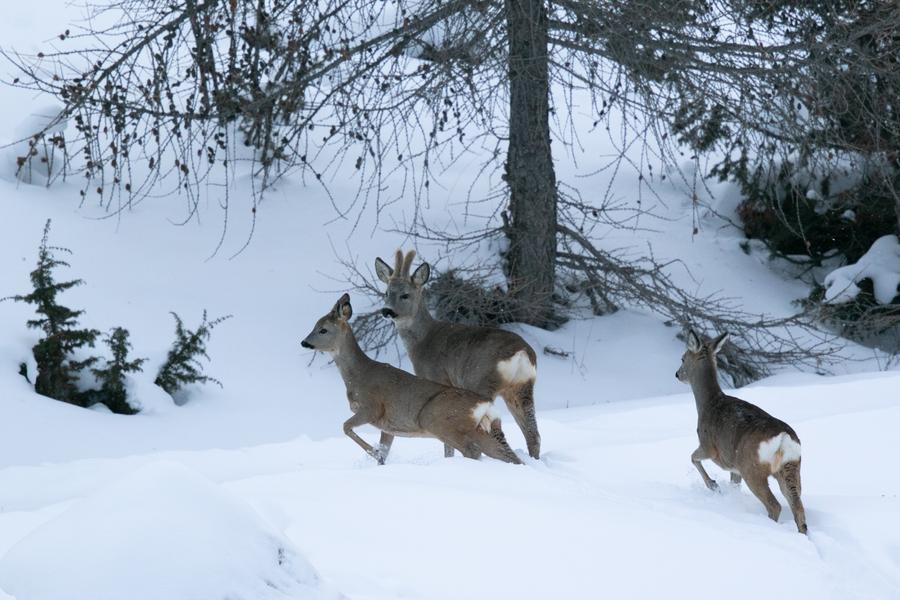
x,y
759,485
478,431
698,455
466,446
494,444
471,450
520,401
788,478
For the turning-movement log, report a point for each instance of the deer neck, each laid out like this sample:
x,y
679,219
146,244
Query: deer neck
x,y
415,328
705,385
351,361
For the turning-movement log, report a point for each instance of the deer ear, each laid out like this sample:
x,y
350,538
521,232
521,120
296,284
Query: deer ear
x,y
383,271
420,276
719,342
693,341
342,309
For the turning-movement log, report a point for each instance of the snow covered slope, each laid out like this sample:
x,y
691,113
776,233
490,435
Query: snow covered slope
x,y
160,532
254,490
614,509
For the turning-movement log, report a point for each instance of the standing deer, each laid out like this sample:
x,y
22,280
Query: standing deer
x,y
484,360
740,437
399,403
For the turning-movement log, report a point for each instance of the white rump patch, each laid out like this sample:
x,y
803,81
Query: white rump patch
x,y
484,414
518,368
779,450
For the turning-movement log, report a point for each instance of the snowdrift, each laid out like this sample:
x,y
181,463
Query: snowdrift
x,y
160,532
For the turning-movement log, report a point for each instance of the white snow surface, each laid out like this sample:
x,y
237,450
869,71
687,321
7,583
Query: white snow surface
x,y
175,532
881,264
95,505
613,507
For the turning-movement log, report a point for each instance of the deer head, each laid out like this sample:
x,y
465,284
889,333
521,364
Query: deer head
x,y
330,331
405,293
699,353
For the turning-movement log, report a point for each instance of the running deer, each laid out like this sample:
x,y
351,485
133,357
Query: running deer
x,y
490,362
740,437
401,404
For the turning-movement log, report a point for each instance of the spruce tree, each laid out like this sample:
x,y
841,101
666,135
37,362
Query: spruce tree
x,y
112,390
183,366
57,372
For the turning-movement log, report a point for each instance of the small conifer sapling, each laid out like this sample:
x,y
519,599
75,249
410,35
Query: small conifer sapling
x,y
183,366
57,371
113,392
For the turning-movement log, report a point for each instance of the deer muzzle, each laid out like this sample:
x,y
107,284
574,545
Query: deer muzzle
x,y
388,313
306,344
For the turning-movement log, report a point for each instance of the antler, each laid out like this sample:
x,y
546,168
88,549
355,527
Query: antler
x,y
407,263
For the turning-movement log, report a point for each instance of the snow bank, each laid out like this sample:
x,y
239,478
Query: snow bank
x,y
881,264
161,532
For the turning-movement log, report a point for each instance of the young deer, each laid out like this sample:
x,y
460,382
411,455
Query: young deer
x,y
484,360
399,403
740,437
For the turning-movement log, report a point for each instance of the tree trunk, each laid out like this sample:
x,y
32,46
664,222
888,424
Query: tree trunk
x,y
897,192
531,226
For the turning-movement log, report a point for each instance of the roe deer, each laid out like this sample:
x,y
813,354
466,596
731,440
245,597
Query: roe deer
x,y
484,360
399,403
740,437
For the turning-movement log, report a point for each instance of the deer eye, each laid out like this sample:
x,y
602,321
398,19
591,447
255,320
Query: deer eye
x,y
404,296
323,330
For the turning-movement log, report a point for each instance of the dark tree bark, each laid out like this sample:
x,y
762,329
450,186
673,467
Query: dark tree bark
x,y
531,226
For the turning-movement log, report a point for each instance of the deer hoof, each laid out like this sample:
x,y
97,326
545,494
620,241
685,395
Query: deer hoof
x,y
712,485
379,454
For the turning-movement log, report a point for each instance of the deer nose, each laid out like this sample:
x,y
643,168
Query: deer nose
x,y
389,313
306,344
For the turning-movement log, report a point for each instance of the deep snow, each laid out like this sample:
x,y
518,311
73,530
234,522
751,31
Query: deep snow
x,y
217,486
157,526
614,507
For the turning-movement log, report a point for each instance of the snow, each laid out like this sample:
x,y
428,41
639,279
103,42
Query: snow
x,y
880,264
194,501
614,496
175,532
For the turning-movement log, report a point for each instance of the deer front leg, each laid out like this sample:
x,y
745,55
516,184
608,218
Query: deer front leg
x,y
355,421
384,447
696,457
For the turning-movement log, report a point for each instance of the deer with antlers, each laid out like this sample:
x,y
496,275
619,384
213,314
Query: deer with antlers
x,y
488,361
401,404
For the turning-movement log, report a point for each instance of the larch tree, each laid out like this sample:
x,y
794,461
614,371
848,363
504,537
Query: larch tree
x,y
169,90
304,84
